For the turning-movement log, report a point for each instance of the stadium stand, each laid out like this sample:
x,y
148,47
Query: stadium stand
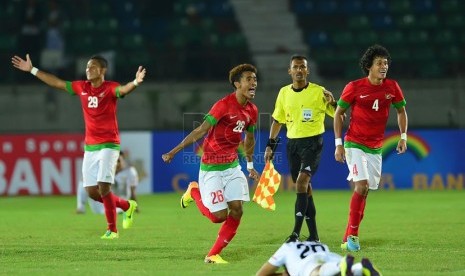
x,y
183,34
422,32
188,46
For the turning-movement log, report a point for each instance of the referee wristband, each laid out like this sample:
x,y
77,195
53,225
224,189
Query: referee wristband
x,y
338,142
34,71
403,136
250,165
135,82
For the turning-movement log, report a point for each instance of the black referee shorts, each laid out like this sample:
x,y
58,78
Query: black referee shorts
x,y
304,155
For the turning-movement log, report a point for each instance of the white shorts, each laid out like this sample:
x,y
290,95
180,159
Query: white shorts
x,y
364,166
99,166
217,188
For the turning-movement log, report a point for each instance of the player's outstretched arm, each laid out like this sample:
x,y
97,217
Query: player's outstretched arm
x,y
191,138
402,121
130,86
26,66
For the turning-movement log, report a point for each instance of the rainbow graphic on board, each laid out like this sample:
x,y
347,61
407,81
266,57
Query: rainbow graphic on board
x,y
415,144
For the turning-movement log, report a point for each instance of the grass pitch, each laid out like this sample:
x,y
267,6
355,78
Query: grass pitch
x,y
403,233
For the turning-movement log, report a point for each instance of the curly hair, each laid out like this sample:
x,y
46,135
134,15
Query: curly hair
x,y
236,73
369,56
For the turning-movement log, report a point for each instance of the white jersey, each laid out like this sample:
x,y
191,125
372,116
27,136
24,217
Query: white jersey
x,y
124,180
301,258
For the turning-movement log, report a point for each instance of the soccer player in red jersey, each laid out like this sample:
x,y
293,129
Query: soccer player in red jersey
x,y
369,99
102,143
222,184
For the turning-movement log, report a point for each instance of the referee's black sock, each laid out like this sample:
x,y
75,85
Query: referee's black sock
x,y
300,210
310,218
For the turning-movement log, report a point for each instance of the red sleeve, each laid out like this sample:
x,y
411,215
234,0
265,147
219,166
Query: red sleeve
x,y
114,88
73,87
347,94
218,110
398,95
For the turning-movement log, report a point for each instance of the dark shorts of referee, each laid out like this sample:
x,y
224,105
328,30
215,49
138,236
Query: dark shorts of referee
x,y
304,155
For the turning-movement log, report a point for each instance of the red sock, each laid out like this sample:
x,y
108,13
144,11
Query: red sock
x,y
225,235
110,211
364,203
121,203
355,214
195,194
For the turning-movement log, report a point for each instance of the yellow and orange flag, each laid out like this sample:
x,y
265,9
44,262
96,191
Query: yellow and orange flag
x,y
267,187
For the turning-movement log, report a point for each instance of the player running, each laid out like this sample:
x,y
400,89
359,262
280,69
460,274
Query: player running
x,y
370,99
222,184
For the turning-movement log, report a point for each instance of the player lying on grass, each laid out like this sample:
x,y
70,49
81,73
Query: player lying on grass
x,y
309,258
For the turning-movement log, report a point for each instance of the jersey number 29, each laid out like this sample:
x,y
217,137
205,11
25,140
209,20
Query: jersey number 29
x,y
92,102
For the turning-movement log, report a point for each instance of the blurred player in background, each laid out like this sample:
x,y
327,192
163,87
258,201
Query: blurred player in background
x,y
369,99
222,184
301,107
102,143
126,182
314,259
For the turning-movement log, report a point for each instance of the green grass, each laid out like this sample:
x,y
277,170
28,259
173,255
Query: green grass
x,y
403,233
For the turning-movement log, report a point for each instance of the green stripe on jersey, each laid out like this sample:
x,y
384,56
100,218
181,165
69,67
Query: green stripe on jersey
x,y
218,167
69,88
102,146
343,104
251,128
400,104
209,118
363,148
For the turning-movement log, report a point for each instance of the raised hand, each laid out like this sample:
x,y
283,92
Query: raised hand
x,y
140,74
21,64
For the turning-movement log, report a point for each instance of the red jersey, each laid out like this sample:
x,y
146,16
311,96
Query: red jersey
x,y
99,109
370,110
229,120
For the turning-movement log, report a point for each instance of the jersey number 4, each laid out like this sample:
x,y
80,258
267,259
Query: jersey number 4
x,y
375,105
92,102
